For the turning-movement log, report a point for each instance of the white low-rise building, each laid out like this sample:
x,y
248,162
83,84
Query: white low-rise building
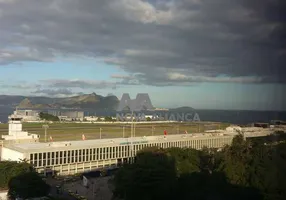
x,y
27,115
233,129
15,132
72,157
91,118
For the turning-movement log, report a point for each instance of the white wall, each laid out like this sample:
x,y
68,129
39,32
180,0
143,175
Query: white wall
x,y
9,154
14,128
3,195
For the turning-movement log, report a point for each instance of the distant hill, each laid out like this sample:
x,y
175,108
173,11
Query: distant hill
x,y
85,101
25,103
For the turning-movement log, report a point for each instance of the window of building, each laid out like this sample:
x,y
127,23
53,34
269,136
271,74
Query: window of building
x,y
100,153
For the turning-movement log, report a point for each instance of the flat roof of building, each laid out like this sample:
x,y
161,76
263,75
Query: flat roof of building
x,y
87,144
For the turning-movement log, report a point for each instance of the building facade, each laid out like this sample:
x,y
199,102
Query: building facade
x,y
67,115
15,132
27,115
79,156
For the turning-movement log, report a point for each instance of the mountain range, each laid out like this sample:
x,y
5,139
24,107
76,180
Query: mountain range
x,y
85,101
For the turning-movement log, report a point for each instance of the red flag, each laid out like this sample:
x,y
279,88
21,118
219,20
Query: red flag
x,y
165,132
83,137
51,139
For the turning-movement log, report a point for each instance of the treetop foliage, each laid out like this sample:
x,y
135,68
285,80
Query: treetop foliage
x,y
27,185
21,180
242,170
48,117
9,169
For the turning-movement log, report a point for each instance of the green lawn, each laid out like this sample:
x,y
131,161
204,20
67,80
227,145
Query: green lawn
x,y
73,131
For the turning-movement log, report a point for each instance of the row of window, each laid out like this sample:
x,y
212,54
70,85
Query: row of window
x,y
105,153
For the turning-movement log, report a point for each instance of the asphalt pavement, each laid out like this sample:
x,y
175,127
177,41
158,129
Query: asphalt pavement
x,y
53,192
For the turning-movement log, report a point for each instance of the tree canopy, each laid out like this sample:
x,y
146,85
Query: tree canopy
x,y
48,117
10,169
153,176
21,180
27,185
109,119
243,170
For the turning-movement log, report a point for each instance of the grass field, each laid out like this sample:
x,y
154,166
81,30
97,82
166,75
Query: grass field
x,y
74,131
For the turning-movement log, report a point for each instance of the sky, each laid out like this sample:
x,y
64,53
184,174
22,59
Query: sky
x,y
223,54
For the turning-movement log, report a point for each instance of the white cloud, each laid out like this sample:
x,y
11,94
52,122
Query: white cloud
x,y
77,83
140,11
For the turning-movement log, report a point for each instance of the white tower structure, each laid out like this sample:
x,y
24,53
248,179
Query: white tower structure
x,y
16,133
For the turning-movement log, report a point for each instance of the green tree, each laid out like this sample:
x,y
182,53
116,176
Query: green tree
x,y
243,170
10,169
210,160
151,177
108,119
268,170
236,161
27,185
258,166
48,117
204,186
186,160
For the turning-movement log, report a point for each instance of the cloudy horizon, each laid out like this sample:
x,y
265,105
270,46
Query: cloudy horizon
x,y
224,54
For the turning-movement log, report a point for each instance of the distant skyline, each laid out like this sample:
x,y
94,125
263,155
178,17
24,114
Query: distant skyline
x,y
225,55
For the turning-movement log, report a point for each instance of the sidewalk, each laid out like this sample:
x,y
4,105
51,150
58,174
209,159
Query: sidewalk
x,y
100,190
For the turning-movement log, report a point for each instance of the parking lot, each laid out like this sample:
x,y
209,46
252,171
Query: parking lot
x,y
73,188
98,188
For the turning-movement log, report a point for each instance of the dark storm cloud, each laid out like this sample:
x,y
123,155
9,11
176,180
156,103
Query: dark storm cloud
x,y
164,43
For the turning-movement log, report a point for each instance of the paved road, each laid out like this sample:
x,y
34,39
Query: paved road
x,y
53,183
100,190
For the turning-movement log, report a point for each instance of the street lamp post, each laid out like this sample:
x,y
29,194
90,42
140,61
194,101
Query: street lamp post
x,y
131,129
131,149
93,192
45,126
123,131
134,129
